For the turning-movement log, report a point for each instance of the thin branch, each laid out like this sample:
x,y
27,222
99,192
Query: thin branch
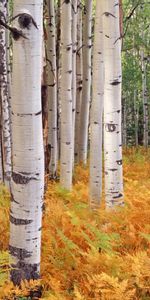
x,y
15,32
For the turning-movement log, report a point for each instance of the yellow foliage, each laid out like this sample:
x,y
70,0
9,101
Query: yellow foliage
x,y
92,254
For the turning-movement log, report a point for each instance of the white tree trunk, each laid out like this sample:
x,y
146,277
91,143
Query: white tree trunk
x,y
27,138
96,117
145,100
124,125
79,73
86,91
112,105
66,96
52,87
1,157
135,117
58,63
135,98
8,45
6,133
74,51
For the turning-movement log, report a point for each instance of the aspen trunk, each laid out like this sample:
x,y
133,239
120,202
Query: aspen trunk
x,y
8,42
135,117
74,50
96,117
145,100
66,97
112,105
124,125
135,98
27,138
86,91
6,133
52,88
1,156
58,64
79,73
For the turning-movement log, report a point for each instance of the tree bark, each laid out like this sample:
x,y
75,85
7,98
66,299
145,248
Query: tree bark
x,y
112,106
1,155
66,97
86,91
145,100
96,117
27,138
74,51
6,132
124,125
135,117
52,88
79,75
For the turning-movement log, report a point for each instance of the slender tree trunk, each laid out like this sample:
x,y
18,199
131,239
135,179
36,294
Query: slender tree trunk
x,y
8,41
86,91
135,113
135,117
74,51
52,88
96,117
45,117
6,133
66,97
145,100
58,64
124,125
27,138
1,155
112,106
79,73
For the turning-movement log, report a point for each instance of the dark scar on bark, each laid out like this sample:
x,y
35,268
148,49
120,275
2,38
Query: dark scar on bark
x,y
18,178
119,162
16,221
110,127
118,196
25,20
115,82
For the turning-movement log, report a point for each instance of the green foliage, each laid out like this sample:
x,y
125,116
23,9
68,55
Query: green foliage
x,y
135,40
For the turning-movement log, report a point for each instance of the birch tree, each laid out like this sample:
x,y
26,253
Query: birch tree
x,y
112,105
28,154
52,88
124,122
1,157
97,110
135,117
66,96
5,121
86,90
79,74
74,51
58,64
145,100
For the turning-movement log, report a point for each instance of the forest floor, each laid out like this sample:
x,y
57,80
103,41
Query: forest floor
x,y
90,254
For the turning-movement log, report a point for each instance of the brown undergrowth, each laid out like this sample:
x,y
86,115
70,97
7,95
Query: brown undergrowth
x,y
90,254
